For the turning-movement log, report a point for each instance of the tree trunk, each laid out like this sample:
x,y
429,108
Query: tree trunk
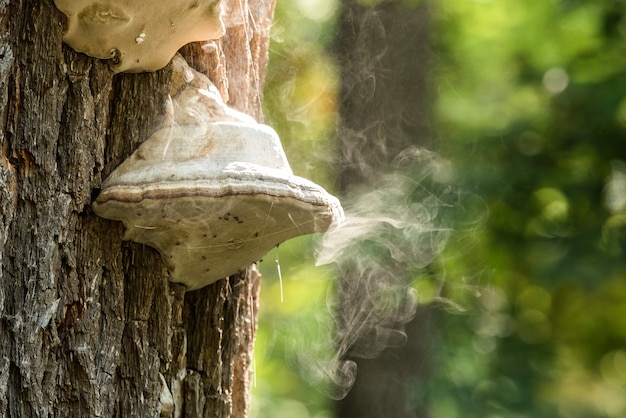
x,y
384,110
90,325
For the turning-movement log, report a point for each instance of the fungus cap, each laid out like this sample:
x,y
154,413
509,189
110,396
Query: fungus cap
x,y
138,35
214,203
212,190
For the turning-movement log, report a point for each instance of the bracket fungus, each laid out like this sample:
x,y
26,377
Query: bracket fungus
x,y
211,190
138,35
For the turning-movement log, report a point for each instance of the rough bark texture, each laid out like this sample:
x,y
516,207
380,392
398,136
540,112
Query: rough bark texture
x,y
90,325
383,52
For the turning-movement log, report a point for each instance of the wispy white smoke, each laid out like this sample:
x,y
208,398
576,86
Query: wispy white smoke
x,y
393,231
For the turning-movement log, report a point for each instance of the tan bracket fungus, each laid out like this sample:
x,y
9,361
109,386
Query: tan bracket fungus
x,y
138,35
212,190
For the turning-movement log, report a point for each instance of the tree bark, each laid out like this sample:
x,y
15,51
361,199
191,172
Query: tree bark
x,y
384,110
90,325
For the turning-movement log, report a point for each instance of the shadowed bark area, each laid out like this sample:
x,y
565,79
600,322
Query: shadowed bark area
x,y
384,110
91,325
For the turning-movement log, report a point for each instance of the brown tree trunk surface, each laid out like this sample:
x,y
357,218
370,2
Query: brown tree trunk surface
x,y
90,325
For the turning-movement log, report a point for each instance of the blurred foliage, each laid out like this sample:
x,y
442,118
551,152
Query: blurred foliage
x,y
300,103
530,109
301,85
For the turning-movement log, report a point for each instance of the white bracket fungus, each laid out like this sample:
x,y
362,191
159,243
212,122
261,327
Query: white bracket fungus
x,y
138,35
212,190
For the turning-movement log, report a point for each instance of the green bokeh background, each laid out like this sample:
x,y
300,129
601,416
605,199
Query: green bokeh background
x,y
529,112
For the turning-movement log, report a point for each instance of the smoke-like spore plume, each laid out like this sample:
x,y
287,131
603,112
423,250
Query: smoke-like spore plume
x,y
392,233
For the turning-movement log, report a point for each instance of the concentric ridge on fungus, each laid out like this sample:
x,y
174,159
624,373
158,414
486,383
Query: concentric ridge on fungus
x,y
212,190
